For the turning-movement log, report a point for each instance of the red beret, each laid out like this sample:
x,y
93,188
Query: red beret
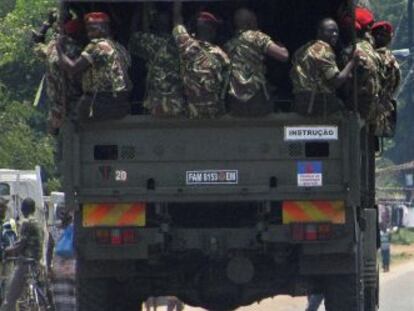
x,y
387,26
73,26
208,17
96,17
363,18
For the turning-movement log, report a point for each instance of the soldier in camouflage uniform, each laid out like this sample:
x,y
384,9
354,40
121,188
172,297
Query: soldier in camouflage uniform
x,y
203,65
164,93
62,89
369,69
248,93
103,65
383,33
315,74
29,246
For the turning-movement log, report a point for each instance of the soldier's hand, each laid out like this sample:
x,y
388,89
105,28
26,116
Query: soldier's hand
x,y
357,56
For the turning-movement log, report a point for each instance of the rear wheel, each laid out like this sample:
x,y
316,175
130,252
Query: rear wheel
x,y
371,297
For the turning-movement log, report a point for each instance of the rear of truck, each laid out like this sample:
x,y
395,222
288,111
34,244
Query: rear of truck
x,y
222,213
218,212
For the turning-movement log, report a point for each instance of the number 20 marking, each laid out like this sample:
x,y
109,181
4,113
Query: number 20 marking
x,y
121,175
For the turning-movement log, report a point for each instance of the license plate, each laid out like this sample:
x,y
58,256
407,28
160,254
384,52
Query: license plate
x,y
212,177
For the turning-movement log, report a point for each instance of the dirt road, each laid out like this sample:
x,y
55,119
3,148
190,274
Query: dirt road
x,y
397,289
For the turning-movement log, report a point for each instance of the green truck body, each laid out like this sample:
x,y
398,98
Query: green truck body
x,y
227,211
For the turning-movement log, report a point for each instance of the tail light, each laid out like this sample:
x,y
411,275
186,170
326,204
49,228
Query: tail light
x,y
324,231
128,236
311,231
103,236
115,236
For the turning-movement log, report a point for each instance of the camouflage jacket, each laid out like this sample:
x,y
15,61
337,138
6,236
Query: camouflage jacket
x,y
109,67
60,87
31,232
203,69
314,68
247,51
391,73
164,93
369,77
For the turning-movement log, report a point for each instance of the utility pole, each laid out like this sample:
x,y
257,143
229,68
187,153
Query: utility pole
x,y
410,24
410,88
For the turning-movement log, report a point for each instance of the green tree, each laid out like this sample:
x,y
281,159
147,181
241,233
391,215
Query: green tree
x,y
23,141
20,146
19,70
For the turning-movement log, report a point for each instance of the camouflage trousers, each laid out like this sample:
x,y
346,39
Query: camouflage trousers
x,y
386,119
306,103
165,106
207,107
257,106
101,107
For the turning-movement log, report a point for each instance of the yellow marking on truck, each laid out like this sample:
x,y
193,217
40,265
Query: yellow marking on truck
x,y
314,211
114,215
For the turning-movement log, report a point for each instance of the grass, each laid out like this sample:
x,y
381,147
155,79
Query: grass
x,y
401,257
403,236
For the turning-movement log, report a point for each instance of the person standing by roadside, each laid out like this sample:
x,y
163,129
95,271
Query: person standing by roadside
x,y
3,270
385,248
62,270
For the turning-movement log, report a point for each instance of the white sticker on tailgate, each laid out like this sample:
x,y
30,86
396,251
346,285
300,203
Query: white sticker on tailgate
x,y
306,133
212,177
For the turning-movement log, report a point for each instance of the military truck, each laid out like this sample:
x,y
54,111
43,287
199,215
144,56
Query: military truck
x,y
222,213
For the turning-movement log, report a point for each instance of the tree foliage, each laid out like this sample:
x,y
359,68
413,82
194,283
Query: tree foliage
x,y
23,141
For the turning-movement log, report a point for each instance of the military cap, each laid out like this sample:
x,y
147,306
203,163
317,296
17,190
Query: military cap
x,y
96,17
208,17
363,18
383,25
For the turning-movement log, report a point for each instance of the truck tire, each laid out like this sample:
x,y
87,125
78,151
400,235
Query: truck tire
x,y
343,293
371,297
93,295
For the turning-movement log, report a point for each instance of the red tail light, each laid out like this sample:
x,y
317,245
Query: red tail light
x,y
311,231
116,237
324,231
128,236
